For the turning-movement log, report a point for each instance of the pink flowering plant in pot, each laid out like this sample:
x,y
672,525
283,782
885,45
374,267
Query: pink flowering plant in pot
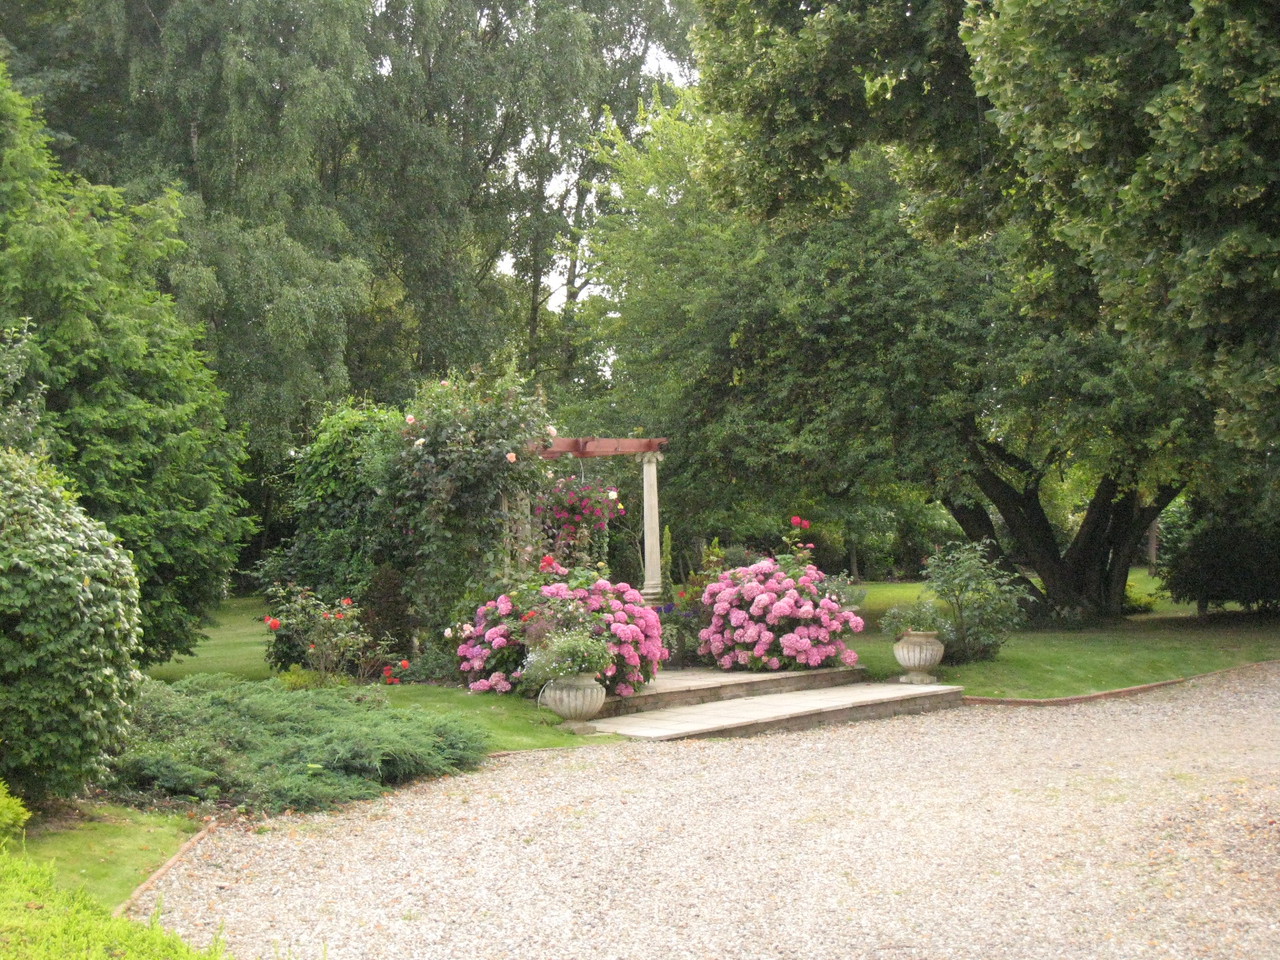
x,y
497,642
776,615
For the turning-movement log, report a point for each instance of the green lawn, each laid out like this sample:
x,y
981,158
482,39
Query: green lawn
x,y
1167,644
106,850
237,640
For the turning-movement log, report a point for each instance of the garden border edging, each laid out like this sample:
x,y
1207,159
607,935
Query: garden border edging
x,y
164,868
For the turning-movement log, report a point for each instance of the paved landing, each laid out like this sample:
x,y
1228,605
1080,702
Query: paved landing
x,y
782,711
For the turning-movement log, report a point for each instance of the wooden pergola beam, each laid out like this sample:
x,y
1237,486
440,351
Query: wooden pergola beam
x,y
601,446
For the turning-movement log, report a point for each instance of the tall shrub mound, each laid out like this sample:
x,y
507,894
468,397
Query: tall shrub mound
x,y
68,634
1223,551
412,508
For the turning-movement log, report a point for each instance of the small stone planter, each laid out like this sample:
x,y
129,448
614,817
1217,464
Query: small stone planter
x,y
573,698
918,652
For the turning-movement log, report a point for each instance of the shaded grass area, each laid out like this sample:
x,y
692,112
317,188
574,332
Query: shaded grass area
x,y
104,849
236,643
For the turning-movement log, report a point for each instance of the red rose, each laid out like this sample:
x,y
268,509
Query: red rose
x,y
404,664
796,522
273,623
386,671
393,679
339,615
347,601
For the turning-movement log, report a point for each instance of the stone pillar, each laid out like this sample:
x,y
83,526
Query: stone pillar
x,y
652,589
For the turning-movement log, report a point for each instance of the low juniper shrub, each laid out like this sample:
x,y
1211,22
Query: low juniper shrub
x,y
257,744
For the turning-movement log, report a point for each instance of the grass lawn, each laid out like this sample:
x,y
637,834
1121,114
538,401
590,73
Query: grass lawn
x,y
237,639
1167,644
107,850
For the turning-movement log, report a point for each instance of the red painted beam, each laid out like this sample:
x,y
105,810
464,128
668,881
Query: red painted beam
x,y
601,446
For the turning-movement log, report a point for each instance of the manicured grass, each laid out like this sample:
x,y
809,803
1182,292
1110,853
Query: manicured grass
x,y
237,641
105,850
1168,644
1045,663
513,723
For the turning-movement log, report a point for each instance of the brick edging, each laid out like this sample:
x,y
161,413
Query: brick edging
x,y
1105,694
163,869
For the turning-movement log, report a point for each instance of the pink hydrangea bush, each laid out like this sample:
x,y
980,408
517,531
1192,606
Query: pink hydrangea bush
x,y
495,645
772,616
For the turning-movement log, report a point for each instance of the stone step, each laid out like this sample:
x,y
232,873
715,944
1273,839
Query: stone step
x,y
693,685
797,710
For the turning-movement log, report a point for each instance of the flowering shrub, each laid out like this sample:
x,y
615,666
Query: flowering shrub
x,y
773,615
573,514
412,507
325,637
494,647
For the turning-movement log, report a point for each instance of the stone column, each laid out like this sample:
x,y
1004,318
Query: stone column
x,y
652,589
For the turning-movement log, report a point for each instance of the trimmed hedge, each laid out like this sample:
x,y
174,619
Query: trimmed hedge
x,y
68,634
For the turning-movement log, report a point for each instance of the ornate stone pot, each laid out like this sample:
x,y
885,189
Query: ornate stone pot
x,y
918,652
573,698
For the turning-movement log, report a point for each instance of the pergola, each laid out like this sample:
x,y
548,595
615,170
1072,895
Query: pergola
x,y
648,451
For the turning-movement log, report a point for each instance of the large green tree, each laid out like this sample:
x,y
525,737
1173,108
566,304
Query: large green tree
x,y
1135,141
1153,131
128,409
391,187
838,352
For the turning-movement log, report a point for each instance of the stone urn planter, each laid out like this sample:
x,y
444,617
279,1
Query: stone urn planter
x,y
918,652
576,697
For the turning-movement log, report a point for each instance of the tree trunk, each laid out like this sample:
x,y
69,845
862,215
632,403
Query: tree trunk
x,y
1091,573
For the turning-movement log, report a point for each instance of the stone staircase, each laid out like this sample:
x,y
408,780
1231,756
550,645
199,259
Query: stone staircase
x,y
701,702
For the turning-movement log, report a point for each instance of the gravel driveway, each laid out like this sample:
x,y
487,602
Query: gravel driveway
x,y
1137,828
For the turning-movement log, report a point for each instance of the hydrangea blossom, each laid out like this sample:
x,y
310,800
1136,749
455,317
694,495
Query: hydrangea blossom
x,y
494,647
765,617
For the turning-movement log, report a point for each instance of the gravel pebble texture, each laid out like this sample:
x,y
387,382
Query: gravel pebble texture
x,y
1127,829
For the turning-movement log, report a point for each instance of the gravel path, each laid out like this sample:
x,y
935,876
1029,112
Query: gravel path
x,y
1127,829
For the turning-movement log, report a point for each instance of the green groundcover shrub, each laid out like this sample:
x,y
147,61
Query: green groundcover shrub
x,y
260,745
41,922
